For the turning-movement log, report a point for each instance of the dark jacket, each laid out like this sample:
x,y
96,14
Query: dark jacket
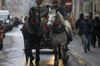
x,y
79,20
96,26
85,27
59,8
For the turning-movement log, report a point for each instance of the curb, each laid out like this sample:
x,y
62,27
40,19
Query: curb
x,y
80,59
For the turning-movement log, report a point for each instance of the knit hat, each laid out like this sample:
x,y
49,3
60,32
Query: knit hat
x,y
38,0
86,15
55,2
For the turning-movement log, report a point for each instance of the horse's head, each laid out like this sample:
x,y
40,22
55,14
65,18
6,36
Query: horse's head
x,y
52,17
34,19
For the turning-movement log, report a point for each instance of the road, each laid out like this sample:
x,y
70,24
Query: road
x,y
13,55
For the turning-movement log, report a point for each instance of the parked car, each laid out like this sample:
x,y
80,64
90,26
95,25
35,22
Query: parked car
x,y
11,24
5,16
2,27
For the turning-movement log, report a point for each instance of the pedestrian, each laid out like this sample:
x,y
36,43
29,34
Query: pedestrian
x,y
69,19
96,30
78,23
73,22
79,20
85,29
25,19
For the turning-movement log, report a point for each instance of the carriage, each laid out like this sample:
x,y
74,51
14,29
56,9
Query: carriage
x,y
46,39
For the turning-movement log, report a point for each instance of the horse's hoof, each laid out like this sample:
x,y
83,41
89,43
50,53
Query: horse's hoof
x,y
37,63
65,59
56,63
31,64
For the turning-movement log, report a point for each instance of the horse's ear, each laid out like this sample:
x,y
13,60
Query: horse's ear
x,y
31,11
49,9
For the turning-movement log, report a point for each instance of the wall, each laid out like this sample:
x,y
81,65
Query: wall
x,y
21,8
0,4
76,8
95,8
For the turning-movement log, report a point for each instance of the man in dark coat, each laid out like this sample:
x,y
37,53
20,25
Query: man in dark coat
x,y
96,32
85,29
56,6
79,20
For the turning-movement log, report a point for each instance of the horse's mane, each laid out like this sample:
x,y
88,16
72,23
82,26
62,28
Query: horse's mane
x,y
51,11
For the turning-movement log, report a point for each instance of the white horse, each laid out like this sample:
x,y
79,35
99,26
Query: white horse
x,y
60,32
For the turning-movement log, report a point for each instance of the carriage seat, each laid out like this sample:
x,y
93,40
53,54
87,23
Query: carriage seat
x,y
46,31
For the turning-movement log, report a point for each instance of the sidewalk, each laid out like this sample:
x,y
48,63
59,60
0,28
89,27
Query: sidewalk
x,y
91,58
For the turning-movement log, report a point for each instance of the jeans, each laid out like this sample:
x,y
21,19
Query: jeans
x,y
86,41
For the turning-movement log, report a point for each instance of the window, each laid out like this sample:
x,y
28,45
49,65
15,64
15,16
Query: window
x,y
15,1
20,1
16,10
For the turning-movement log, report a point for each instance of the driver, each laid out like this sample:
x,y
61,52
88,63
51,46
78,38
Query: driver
x,y
56,6
41,8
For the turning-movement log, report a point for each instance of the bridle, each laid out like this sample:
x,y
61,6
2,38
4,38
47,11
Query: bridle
x,y
54,20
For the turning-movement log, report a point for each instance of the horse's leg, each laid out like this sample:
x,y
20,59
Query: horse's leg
x,y
59,50
31,57
26,50
65,55
56,59
37,53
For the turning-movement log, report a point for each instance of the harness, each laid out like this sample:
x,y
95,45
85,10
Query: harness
x,y
29,29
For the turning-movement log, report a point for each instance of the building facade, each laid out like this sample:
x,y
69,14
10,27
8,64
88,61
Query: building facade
x,y
19,8
95,8
0,4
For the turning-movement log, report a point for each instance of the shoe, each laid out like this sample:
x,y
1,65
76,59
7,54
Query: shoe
x,y
94,46
88,49
85,51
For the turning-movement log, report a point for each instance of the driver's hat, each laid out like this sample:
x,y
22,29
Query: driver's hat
x,y
55,2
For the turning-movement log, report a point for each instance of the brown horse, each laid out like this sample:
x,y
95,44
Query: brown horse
x,y
31,34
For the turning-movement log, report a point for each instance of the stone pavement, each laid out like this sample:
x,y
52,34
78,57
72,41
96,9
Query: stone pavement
x,y
91,58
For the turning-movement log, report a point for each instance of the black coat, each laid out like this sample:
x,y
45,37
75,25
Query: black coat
x,y
96,26
86,27
79,20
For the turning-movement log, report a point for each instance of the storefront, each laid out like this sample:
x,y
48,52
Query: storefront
x,y
0,4
95,8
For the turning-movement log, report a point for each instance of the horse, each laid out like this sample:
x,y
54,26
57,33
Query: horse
x,y
59,36
32,35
